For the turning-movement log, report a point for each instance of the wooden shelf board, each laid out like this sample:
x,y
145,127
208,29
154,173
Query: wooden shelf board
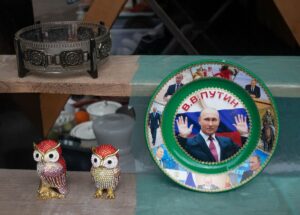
x,y
114,78
18,195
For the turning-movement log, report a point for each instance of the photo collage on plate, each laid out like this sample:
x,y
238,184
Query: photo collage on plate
x,y
233,122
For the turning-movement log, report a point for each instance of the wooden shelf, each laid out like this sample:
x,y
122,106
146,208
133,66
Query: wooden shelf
x,y
114,78
116,75
18,195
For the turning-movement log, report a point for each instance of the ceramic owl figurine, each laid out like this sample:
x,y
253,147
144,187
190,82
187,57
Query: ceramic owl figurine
x,y
51,168
105,170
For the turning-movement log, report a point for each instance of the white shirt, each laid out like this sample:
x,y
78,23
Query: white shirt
x,y
206,138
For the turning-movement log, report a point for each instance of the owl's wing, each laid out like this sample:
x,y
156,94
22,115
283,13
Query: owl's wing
x,y
117,172
55,175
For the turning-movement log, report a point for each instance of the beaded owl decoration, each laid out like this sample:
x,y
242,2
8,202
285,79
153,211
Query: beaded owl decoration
x,y
105,170
51,168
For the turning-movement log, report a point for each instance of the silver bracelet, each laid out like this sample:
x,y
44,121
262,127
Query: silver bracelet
x,y
57,47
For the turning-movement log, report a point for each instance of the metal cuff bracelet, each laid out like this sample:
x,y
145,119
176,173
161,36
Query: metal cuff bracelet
x,y
57,47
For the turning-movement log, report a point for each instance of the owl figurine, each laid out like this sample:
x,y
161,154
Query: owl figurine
x,y
105,170
51,168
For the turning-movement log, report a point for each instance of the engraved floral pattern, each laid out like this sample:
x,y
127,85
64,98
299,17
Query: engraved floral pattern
x,y
71,58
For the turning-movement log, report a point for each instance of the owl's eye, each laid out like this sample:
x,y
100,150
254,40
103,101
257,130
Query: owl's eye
x,y
37,156
111,162
95,161
51,156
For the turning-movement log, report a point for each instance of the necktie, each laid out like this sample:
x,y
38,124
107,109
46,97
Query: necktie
x,y
212,148
177,87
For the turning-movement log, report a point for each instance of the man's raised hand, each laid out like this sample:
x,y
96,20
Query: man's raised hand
x,y
183,129
241,125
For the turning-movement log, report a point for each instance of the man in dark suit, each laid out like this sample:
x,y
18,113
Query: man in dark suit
x,y
254,167
174,87
252,89
206,146
154,123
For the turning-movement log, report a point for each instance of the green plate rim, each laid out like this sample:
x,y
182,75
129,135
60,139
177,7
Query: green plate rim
x,y
217,61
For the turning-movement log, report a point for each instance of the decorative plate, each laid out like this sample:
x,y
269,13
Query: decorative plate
x,y
212,126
